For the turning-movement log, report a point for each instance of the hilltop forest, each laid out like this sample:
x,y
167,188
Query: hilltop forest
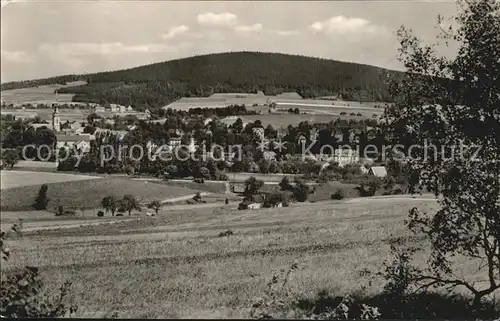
x,y
158,84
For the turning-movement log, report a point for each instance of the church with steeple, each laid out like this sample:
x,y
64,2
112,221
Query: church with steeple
x,y
56,119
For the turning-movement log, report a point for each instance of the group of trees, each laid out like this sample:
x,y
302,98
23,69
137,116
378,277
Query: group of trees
x,y
47,106
300,189
127,203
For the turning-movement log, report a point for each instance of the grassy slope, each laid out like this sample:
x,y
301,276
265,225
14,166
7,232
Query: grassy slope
x,y
174,265
210,187
88,193
16,179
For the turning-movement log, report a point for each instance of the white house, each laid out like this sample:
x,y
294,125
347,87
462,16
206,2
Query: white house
x,y
378,171
100,109
345,156
254,206
269,155
207,121
258,132
114,108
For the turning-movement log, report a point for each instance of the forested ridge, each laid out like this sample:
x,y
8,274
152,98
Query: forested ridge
x,y
158,84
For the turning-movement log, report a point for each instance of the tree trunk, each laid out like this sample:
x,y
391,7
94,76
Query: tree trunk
x,y
476,303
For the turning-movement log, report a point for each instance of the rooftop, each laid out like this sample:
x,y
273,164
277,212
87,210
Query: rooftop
x,y
74,138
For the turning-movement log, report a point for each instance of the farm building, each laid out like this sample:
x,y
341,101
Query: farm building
x,y
77,142
106,133
249,205
35,126
73,127
378,171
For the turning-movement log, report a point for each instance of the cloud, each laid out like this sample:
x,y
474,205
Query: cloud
x,y
345,25
286,33
253,28
214,19
174,31
19,57
110,48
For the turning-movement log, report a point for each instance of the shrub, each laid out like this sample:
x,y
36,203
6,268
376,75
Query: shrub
x,y
338,195
100,213
369,186
273,199
23,295
301,191
285,184
226,233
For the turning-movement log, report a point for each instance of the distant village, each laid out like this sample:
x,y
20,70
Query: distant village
x,y
185,122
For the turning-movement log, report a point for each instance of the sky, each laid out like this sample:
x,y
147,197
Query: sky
x,y
44,38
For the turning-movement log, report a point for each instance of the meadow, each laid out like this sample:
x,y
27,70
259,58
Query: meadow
x,y
38,95
15,179
83,193
283,120
177,265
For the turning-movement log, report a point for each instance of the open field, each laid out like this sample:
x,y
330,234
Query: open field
x,y
16,179
175,265
283,120
88,193
211,187
324,192
75,114
38,95
35,95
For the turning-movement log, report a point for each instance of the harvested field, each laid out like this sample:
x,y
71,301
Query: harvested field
x,y
176,265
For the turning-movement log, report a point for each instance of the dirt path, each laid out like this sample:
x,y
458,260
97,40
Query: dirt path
x,y
183,198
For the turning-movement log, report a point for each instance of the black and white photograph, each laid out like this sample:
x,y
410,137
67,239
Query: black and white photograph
x,y
316,160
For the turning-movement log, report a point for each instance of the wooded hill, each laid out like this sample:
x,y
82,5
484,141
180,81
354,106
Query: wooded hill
x,y
158,84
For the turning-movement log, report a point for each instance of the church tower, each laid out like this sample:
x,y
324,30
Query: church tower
x,y
56,120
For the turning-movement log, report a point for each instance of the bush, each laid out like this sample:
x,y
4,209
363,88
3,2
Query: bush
x,y
301,191
23,295
226,233
338,195
100,213
273,199
369,186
